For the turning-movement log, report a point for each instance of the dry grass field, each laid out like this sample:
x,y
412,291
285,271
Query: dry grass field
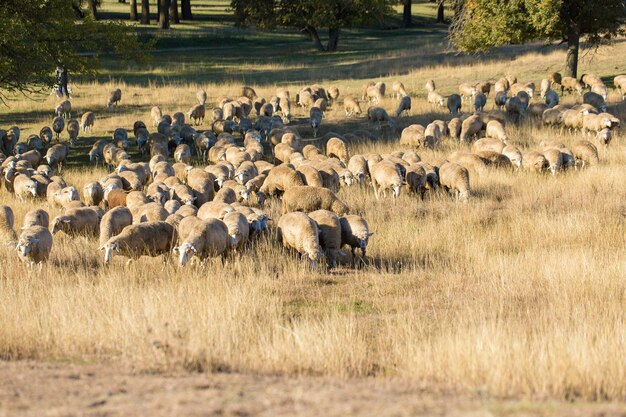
x,y
518,294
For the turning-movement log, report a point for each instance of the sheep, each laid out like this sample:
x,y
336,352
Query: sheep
x,y
454,104
182,153
467,91
456,178
336,147
113,222
329,229
45,134
34,245
571,84
280,179
573,119
201,238
172,206
307,198
299,232
514,155
131,181
488,144
469,161
596,122
156,115
311,175
386,175
73,129
114,97
404,107
483,87
552,98
495,130
64,109
93,193
201,96
355,233
315,119
185,210
480,100
351,106
55,156
604,137
501,86
619,83
495,159
595,100
7,220
196,114
36,217
600,89
248,92
436,99
515,108
87,121
150,239
585,153
58,124
321,103
358,166
375,93
470,127
136,199
24,187
398,89
555,160
556,78
202,186
415,179
430,86
500,99
77,221
238,228
214,210
378,114
149,212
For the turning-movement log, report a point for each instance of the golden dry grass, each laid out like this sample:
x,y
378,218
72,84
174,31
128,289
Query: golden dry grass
x,y
521,292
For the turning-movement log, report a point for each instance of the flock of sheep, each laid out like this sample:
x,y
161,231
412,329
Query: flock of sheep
x,y
194,210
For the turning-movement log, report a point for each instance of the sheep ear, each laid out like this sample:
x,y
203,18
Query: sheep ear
x,y
176,250
370,234
66,221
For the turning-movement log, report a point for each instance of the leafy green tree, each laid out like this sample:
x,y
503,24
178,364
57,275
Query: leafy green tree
x,y
37,34
311,15
479,25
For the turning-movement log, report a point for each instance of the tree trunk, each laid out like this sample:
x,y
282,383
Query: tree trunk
x,y
185,9
333,39
158,14
133,10
174,11
91,8
440,9
164,14
314,36
145,12
571,60
406,13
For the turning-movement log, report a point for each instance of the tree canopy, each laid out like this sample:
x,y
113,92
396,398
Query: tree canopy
x,y
480,25
311,15
35,35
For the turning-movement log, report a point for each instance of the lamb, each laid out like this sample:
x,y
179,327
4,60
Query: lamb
x,y
398,90
149,212
555,159
454,177
156,115
416,179
93,193
378,114
355,233
585,153
36,217
495,129
404,107
336,147
58,124
64,109
315,119
514,155
201,96
201,238
114,97
480,100
595,100
333,94
430,86
55,156
34,245
196,114
386,175
488,144
72,130
238,228
454,104
280,179
7,220
214,210
571,84
435,98
77,221
298,231
113,222
376,92
182,153
150,239
24,187
467,91
87,121
470,127
307,198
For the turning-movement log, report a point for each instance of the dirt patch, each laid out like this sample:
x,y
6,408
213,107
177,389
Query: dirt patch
x,y
38,389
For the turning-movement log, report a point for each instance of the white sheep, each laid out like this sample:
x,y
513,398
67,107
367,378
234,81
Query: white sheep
x,y
114,97
386,176
202,239
355,233
299,232
77,221
454,177
34,245
149,239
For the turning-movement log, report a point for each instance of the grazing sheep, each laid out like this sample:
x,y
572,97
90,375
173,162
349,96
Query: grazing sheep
x,y
404,107
436,99
238,228
585,153
113,222
514,155
150,239
136,199
480,100
416,179
7,221
248,92
386,175
307,199
573,119
378,114
454,104
501,86
183,193
77,221
501,99
552,98
596,122
24,187
351,106
55,156
467,91
534,161
336,147
430,86
470,127
495,130
595,100
298,231
114,97
201,96
87,121
34,245
36,217
600,89
469,161
315,119
495,159
73,129
556,78
376,92
604,137
45,134
454,177
333,93
58,124
93,193
149,212
182,153
64,109
555,159
398,90
355,233
225,195
196,114
488,144
311,175
172,206
202,239
329,233
571,84
515,108
483,87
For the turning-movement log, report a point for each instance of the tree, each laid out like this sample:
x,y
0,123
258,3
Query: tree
x,y
407,16
440,11
92,8
185,10
310,15
164,14
133,10
145,12
479,25
174,11
37,34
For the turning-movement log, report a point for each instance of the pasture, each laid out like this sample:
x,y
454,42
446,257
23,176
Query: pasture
x,y
518,294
